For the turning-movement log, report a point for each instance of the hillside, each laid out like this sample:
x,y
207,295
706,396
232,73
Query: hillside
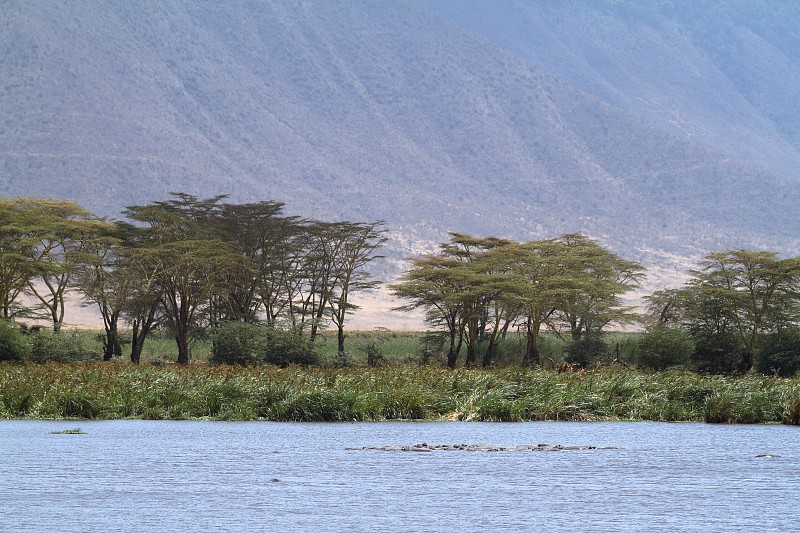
x,y
665,132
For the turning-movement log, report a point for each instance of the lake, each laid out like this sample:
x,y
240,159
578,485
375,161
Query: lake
x,y
260,476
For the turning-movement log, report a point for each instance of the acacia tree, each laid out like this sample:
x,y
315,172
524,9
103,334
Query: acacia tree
x,y
544,275
98,279
347,248
498,289
317,267
122,284
460,289
189,263
190,273
263,236
137,278
665,307
484,306
18,238
599,279
65,235
482,277
476,287
436,284
751,287
294,293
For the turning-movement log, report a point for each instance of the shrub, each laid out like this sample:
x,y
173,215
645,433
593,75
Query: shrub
x,y
586,352
780,353
285,348
716,353
236,343
64,347
13,344
551,350
662,346
248,344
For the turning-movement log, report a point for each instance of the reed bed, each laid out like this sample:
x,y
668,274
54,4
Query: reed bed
x,y
397,392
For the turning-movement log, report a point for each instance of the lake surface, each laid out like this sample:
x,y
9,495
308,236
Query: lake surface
x,y
262,476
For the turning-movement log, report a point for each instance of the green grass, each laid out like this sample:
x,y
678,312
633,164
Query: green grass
x,y
396,347
115,391
73,431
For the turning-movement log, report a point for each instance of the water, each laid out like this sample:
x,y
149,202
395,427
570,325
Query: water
x,y
259,476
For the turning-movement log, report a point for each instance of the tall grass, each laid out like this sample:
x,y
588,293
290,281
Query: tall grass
x,y
109,391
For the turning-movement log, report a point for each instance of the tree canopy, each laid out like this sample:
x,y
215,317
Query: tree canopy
x,y
184,263
475,288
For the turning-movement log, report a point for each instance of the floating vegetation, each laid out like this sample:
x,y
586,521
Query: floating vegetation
x,y
73,431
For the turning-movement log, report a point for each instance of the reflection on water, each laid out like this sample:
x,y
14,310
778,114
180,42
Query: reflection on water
x,y
261,476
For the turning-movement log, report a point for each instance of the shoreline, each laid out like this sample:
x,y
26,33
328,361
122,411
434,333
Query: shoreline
x,y
98,391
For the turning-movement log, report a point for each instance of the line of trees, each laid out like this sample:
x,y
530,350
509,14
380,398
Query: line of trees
x,y
475,289
739,308
185,263
192,264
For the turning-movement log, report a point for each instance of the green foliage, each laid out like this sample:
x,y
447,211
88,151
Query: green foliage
x,y
109,391
587,352
236,343
780,353
747,291
284,348
790,404
13,344
625,345
216,262
511,350
476,287
663,346
739,404
716,353
64,347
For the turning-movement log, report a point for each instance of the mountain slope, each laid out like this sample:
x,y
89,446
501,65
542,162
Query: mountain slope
x,y
720,73
511,119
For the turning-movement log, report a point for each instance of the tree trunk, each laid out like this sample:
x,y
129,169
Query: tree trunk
x,y
137,343
108,345
576,329
472,340
471,356
112,345
746,363
182,339
504,331
317,320
451,356
136,350
455,348
489,355
532,349
57,313
340,339
56,322
141,328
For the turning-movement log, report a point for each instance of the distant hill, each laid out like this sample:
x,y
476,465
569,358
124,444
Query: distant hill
x,y
664,129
